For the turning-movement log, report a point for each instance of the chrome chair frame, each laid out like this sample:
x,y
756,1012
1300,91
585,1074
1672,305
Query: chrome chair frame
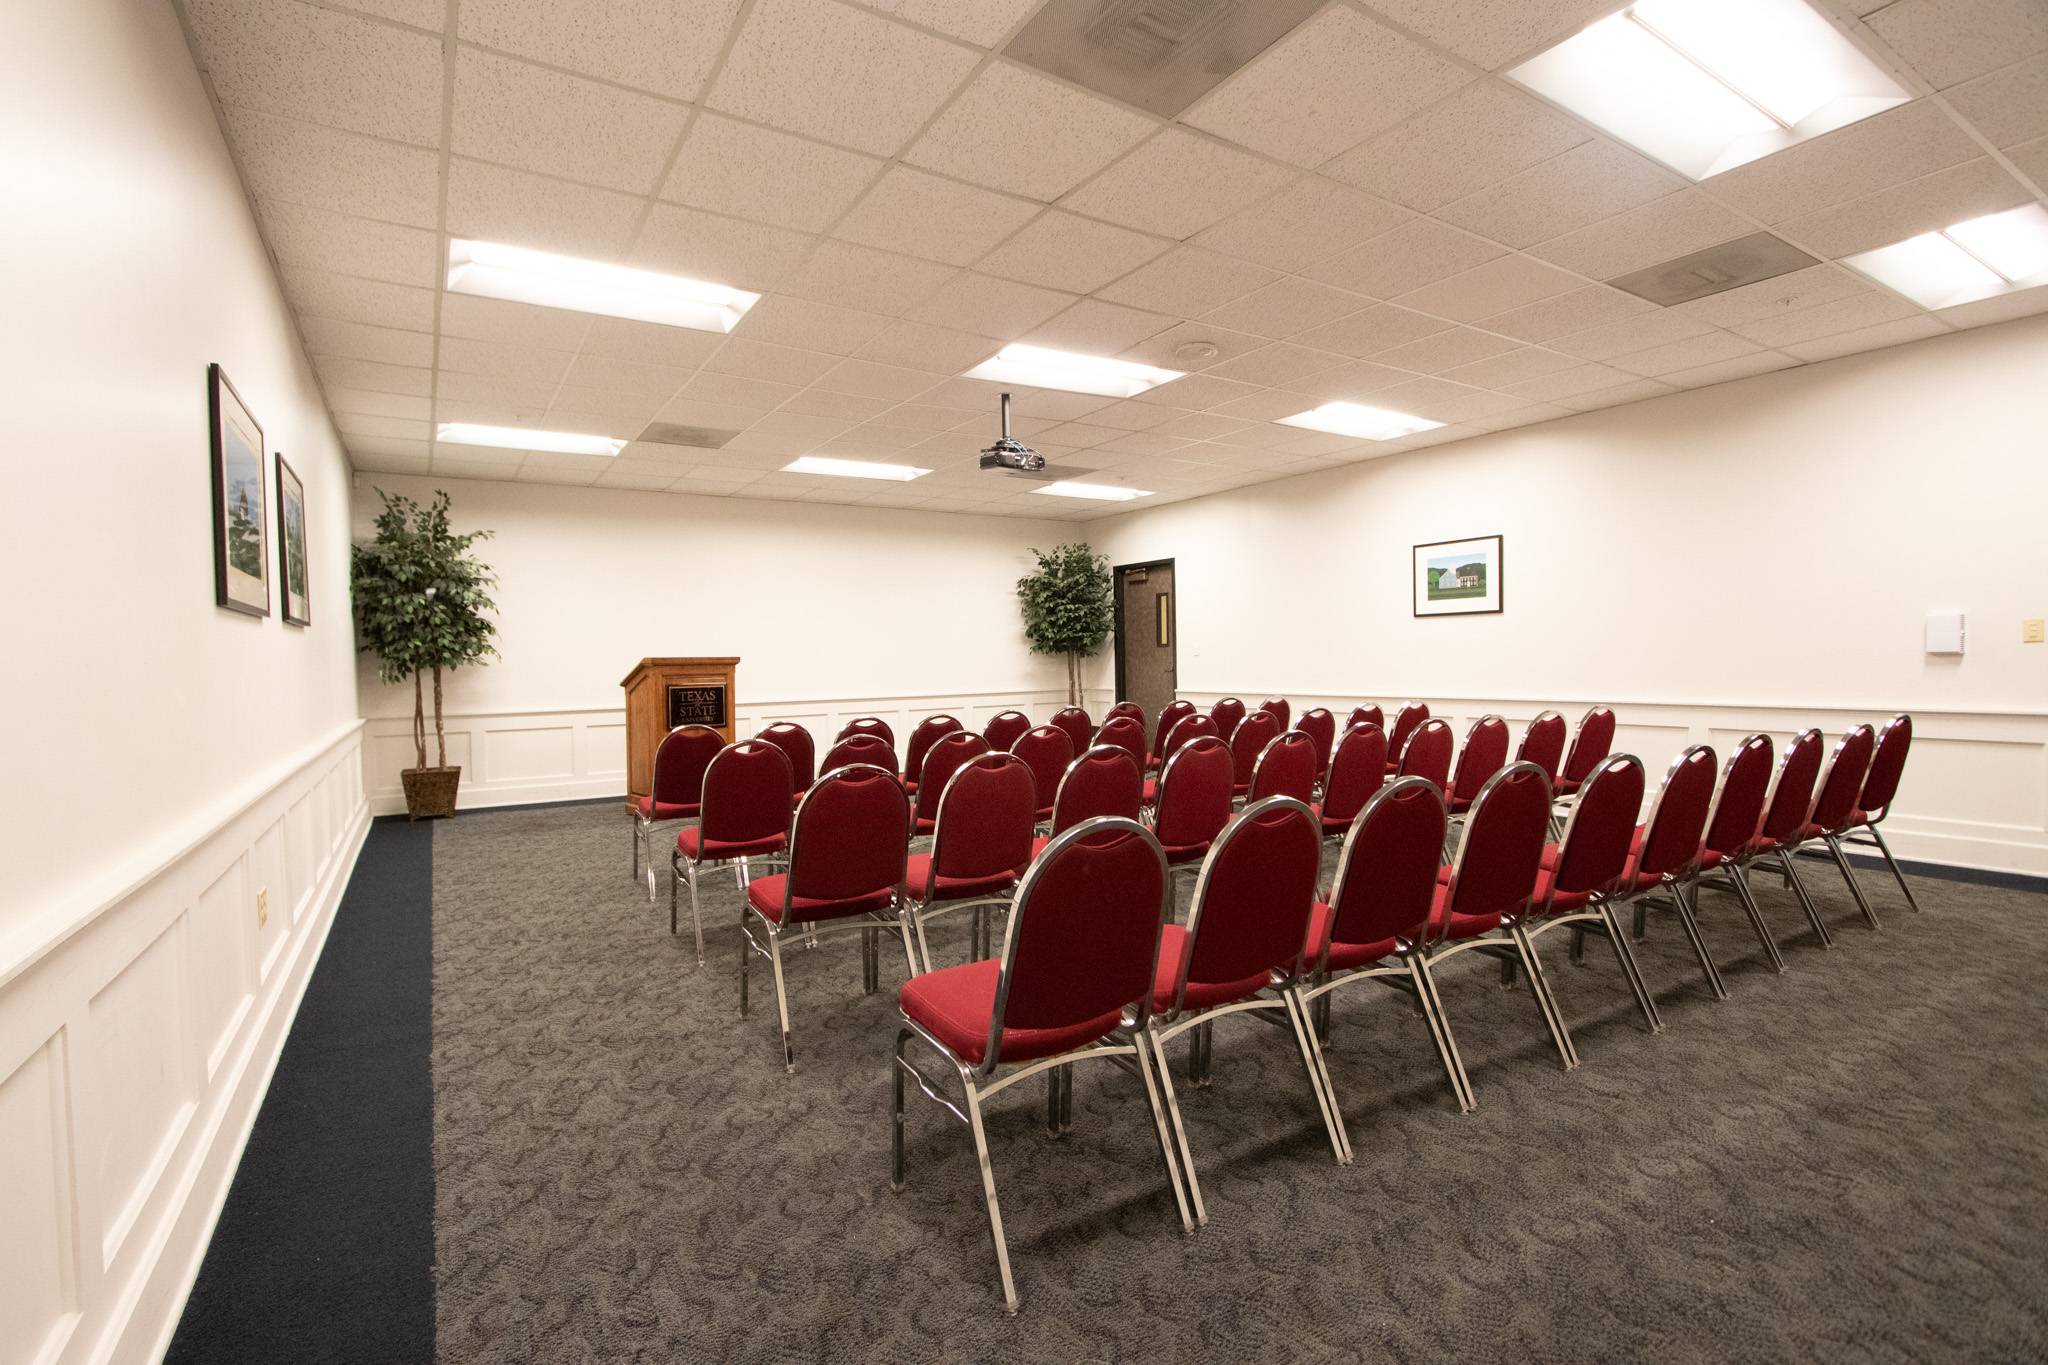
x,y
1174,870
1287,737
643,826
913,909
682,869
1732,866
1832,839
1680,882
1873,818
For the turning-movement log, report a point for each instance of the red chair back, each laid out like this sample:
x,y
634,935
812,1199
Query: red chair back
x,y
986,816
1046,751
1170,715
1835,808
679,763
1366,715
1249,916
1082,942
1190,727
1485,753
1406,721
1227,712
1678,821
1003,728
1194,794
1887,765
1386,874
1428,753
1127,708
1101,782
1593,742
1321,728
748,790
869,725
1495,873
926,733
1792,794
1739,807
1247,742
1543,744
1286,767
1357,770
1594,854
946,757
851,837
1127,732
797,746
1280,709
871,749
1080,729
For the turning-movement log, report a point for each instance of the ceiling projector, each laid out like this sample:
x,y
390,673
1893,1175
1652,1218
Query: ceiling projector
x,y
1011,456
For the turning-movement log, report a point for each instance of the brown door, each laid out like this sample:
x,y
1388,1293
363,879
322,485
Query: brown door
x,y
1146,636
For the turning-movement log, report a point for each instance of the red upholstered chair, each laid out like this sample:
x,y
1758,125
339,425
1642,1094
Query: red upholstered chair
x,y
1227,712
1280,709
941,761
1835,808
1079,728
1543,745
1241,951
1365,928
981,844
1101,782
1126,732
1190,728
1046,751
1366,715
1485,753
797,746
1666,850
1593,742
1081,949
1127,708
1880,788
1286,767
1247,742
1791,801
926,733
872,750
1194,801
1357,770
1321,728
846,854
1731,836
748,791
1407,721
1003,729
1427,753
1170,715
868,725
677,788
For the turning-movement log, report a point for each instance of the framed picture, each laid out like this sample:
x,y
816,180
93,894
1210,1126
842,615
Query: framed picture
x,y
294,599
1458,577
241,539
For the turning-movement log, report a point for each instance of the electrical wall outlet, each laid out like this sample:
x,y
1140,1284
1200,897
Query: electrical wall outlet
x,y
2032,632
262,907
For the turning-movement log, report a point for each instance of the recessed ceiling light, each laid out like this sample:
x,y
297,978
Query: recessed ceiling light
x,y
1707,87
525,438
1356,419
1044,368
1099,492
1972,260
522,275
853,469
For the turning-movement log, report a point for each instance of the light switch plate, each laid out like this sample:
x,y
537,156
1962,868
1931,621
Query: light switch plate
x,y
2033,631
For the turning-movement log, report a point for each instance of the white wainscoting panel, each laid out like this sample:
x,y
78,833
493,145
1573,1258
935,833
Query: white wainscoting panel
x,y
137,1037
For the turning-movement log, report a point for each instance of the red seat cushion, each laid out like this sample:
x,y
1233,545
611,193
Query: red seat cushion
x,y
1186,853
650,809
956,1004
926,824
1566,902
690,840
1151,790
1565,786
1038,844
909,784
765,895
953,888
1461,926
1343,956
1173,947
1712,857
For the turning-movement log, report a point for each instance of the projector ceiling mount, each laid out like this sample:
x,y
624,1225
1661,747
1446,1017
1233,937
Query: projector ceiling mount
x,y
1011,456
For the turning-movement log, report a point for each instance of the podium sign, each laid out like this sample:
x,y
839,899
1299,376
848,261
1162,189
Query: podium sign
x,y
664,693
698,705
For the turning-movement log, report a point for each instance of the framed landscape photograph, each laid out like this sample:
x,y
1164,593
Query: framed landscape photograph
x,y
294,600
1458,577
241,540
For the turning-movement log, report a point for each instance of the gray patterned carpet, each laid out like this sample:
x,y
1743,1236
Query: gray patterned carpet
x,y
1849,1162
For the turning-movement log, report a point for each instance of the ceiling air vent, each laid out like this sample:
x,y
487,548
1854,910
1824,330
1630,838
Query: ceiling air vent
x,y
1161,55
675,434
1746,260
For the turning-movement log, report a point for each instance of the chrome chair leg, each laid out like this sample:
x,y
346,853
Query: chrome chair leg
x,y
1440,1024
988,1191
1052,1102
896,1180
1849,875
1756,916
1322,1064
1792,879
746,951
633,824
1626,956
781,998
1898,873
696,920
1546,1003
1699,945
1180,1134
1151,1059
1298,1017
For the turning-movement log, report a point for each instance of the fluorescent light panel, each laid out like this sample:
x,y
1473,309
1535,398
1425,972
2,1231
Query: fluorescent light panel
x,y
1040,367
1098,492
525,438
1971,260
1708,85
495,271
853,469
1356,419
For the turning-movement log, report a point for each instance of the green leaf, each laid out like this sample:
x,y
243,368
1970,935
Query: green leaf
x,y
1067,602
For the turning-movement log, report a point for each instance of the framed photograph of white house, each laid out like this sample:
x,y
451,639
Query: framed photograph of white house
x,y
294,597
1458,577
241,539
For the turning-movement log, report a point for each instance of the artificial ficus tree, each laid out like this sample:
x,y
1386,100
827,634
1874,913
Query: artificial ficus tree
x,y
1067,607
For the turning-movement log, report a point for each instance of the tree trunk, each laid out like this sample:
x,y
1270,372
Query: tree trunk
x,y
1073,679
440,736
419,723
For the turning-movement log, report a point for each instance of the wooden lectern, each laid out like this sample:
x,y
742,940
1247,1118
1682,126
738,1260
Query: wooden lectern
x,y
664,693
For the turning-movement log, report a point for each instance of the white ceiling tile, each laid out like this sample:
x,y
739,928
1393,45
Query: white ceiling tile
x,y
651,342
360,341
612,375
1721,371
1510,367
1827,319
372,461
1498,285
2032,159
1777,296
1287,307
1443,401
1004,309
1377,329
1932,202
653,45
697,412
836,73
523,324
1198,392
1352,381
1218,346
1900,144
760,360
866,379
1492,33
1661,230
500,205
1311,220
809,326
727,251
1420,251
1188,281
426,14
1520,417
1278,364
1569,382
1629,334
1335,80
302,235
2021,303
305,163
2008,106
500,395
822,403
1634,392
983,23
861,277
1691,353
283,57
1950,41
1015,130
765,174
1066,251
941,220
1573,312
1127,415
922,346
1177,184
321,293
1479,136
356,425
651,481
706,386
599,412
1892,333
516,114
340,372
1097,328
500,360
1592,181
343,399
1445,350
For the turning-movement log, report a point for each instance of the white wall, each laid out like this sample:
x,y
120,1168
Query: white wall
x,y
169,761
1758,555
834,611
